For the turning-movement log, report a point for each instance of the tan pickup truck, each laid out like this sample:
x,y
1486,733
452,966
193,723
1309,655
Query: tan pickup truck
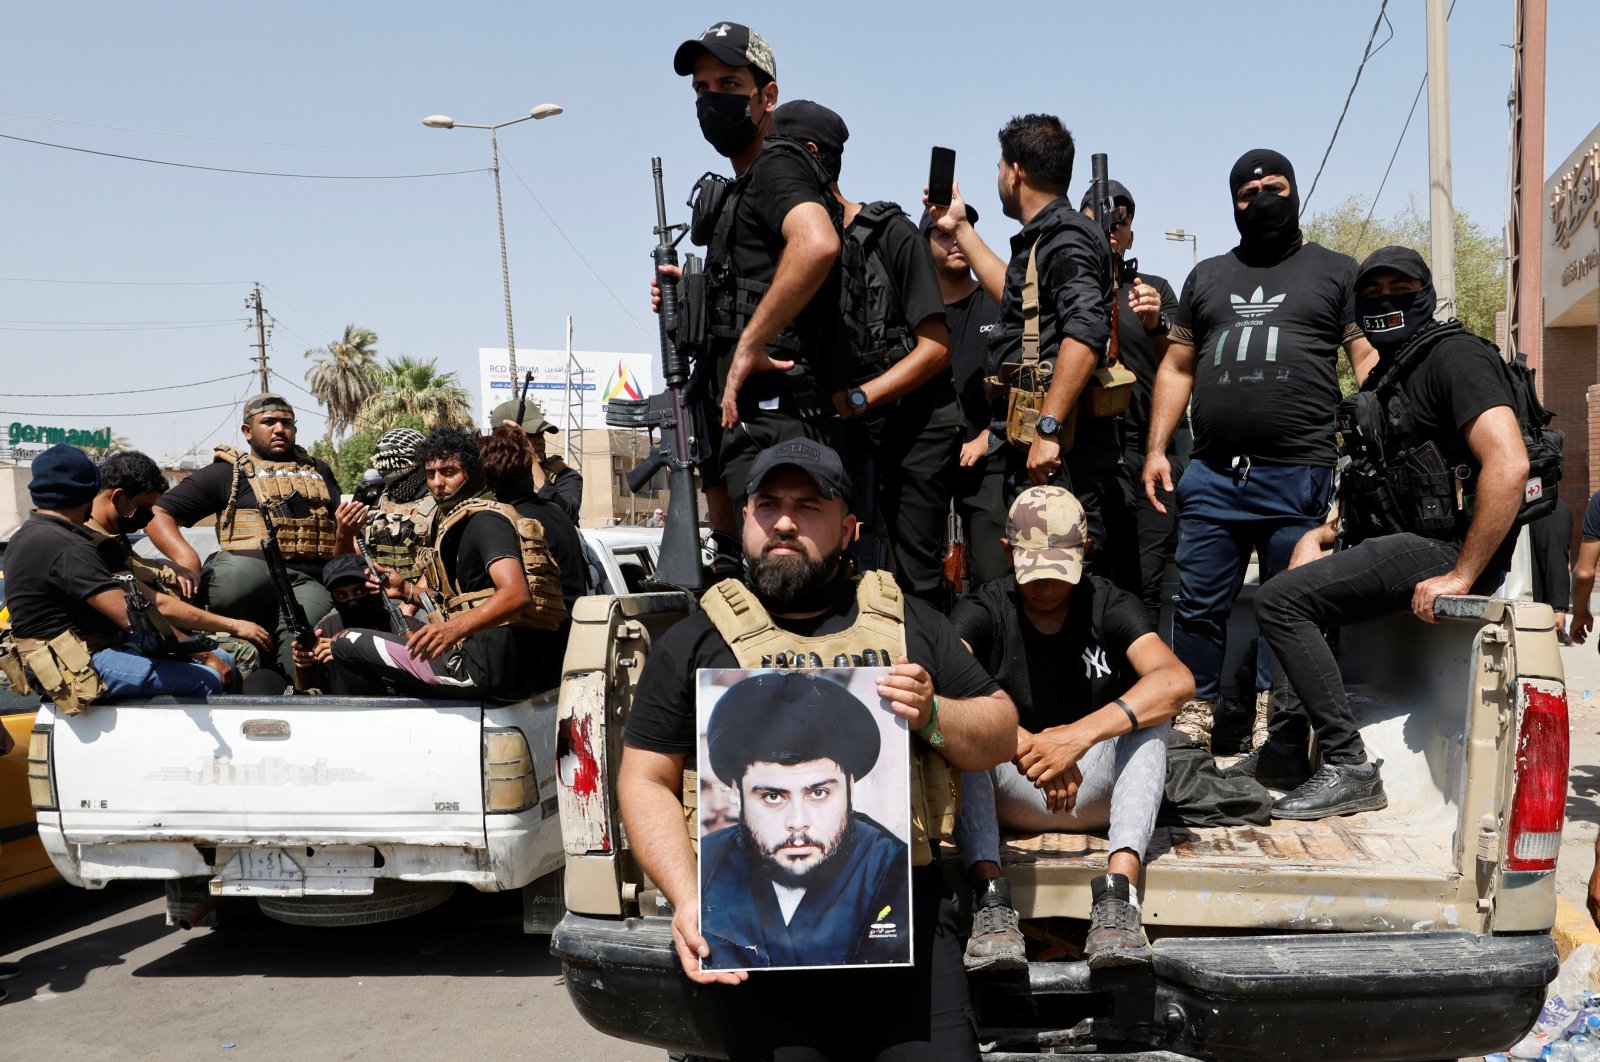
x,y
1417,932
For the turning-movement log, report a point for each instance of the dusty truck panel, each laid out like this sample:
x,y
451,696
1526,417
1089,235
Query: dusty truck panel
x,y
1418,932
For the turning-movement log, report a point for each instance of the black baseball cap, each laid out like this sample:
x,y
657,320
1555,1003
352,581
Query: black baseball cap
x,y
819,462
805,120
1402,260
733,43
345,568
1119,194
925,223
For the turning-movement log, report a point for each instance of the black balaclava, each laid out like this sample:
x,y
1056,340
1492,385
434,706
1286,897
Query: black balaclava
x,y
725,121
1391,320
1269,227
135,521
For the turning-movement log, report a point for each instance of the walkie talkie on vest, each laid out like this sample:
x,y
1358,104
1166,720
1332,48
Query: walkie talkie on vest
x,y
667,414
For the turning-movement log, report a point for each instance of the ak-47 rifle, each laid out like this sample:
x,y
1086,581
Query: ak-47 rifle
x,y
667,414
304,635
150,633
397,620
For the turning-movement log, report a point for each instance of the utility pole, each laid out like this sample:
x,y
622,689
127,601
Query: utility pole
x,y
1524,233
1441,206
253,302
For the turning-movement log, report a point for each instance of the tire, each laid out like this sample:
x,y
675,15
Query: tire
x,y
389,900
184,895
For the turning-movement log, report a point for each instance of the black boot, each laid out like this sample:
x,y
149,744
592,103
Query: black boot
x,y
1336,789
1116,937
996,941
1274,766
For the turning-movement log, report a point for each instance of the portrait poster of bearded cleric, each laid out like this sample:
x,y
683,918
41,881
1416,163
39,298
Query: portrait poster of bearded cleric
x,y
808,862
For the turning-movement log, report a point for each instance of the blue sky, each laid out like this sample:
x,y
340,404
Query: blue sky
x,y
1173,95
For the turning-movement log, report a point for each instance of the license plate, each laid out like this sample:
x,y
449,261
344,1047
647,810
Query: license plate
x,y
262,864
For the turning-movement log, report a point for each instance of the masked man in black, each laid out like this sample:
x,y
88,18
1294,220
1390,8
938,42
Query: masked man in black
x,y
1459,401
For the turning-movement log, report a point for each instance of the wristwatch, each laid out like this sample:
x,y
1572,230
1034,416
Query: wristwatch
x,y
856,399
1163,326
1047,425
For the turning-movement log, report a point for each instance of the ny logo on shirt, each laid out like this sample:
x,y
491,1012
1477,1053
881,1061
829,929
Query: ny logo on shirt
x,y
1095,664
1249,311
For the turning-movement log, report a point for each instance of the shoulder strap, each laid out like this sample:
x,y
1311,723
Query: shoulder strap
x,y
1030,308
870,221
1414,352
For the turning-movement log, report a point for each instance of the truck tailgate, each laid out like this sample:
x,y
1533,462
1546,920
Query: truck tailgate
x,y
307,770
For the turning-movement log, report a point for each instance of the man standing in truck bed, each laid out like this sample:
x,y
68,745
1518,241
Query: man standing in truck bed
x,y
800,598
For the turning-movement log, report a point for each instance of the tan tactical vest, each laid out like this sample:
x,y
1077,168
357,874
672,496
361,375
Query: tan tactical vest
x,y
299,538
397,531
878,637
547,611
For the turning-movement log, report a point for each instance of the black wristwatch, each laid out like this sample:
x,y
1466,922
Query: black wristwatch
x,y
856,399
1047,425
1163,326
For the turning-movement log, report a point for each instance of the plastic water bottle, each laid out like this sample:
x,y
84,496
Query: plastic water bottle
x,y
1560,1051
1584,1049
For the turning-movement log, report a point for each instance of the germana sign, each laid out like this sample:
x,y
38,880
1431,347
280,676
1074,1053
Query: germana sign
x,y
50,434
1574,194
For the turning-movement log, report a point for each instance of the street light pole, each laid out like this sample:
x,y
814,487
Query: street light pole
x,y
441,121
1194,244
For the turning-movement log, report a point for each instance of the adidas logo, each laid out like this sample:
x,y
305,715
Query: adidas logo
x,y
1258,305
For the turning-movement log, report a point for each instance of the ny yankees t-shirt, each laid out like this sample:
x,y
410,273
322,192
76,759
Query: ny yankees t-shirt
x,y
1266,342
1059,678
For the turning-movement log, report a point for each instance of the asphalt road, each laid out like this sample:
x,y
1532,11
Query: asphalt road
x,y
103,977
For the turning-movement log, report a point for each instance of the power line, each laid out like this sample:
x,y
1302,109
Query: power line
x,y
1368,53
276,294
574,246
135,391
234,140
113,416
252,173
123,328
134,283
200,321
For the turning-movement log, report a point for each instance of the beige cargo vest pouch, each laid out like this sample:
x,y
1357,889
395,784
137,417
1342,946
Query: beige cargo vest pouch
x,y
299,537
61,667
1025,384
878,636
547,611
397,531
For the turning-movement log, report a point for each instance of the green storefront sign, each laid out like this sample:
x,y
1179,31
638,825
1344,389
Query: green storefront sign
x,y
49,435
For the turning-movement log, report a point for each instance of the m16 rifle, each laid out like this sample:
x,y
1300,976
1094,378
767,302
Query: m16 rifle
x,y
150,633
1109,388
522,399
304,635
666,415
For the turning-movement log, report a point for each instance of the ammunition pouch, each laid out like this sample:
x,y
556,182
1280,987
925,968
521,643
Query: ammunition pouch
x,y
64,670
309,537
694,292
876,639
11,663
1392,487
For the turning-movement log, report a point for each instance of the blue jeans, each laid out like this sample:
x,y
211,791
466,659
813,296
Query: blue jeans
x,y
127,673
1223,515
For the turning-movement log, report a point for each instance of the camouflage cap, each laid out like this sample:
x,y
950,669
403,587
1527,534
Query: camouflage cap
x,y
533,421
266,403
1048,533
733,43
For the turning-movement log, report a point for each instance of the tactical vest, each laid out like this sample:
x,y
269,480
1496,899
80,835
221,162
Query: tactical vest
x,y
299,537
398,531
546,611
1397,481
733,299
159,576
876,639
866,282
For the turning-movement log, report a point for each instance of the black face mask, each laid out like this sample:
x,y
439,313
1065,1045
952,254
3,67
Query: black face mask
x,y
366,612
725,121
1390,320
1269,226
136,520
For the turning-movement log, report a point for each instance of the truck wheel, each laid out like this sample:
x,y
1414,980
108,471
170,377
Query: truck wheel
x,y
390,900
190,905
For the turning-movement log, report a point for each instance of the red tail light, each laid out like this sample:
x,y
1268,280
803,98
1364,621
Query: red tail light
x,y
1539,799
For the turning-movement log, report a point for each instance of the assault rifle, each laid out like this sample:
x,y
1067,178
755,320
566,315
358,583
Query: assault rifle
x,y
150,633
522,400
304,635
667,415
1105,212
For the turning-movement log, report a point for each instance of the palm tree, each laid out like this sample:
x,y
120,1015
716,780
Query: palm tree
x,y
344,376
412,386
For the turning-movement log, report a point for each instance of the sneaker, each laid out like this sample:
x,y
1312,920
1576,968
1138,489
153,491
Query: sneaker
x,y
996,941
1258,729
8,970
1336,789
1194,719
1116,938
1273,766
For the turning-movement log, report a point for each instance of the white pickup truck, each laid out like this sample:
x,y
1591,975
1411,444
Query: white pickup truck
x,y
325,810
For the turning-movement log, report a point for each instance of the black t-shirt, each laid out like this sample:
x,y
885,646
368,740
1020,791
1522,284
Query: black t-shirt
x,y
506,663
663,715
1591,517
52,569
1083,666
972,321
563,485
778,181
561,538
1266,341
1138,353
206,494
1074,264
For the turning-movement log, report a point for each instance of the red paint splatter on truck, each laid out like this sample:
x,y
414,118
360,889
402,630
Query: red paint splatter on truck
x,y
580,770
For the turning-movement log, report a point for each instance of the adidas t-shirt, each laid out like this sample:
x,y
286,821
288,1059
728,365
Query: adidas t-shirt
x,y
1266,342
